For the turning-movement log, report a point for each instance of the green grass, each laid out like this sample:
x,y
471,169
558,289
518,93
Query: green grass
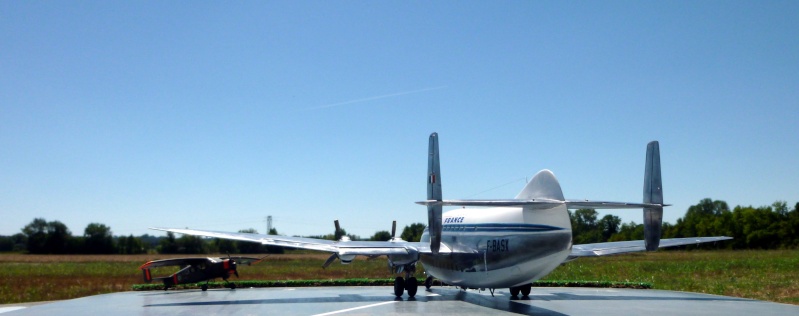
x,y
764,275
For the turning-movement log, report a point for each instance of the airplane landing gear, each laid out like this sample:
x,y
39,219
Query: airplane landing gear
x,y
399,286
204,287
411,286
524,289
428,282
409,283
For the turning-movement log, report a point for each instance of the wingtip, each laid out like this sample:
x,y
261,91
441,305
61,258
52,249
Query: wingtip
x,y
145,265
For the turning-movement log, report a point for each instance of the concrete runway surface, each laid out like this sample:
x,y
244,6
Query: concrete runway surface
x,y
380,301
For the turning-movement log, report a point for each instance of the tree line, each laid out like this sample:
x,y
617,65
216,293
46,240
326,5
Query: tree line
x,y
53,237
765,227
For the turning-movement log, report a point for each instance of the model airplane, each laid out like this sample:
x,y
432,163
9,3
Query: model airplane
x,y
508,245
197,270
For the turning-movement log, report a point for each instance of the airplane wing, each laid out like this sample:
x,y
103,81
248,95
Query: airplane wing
x,y
342,248
245,260
174,262
618,247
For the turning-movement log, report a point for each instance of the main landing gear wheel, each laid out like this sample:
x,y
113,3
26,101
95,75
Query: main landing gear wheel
x,y
204,287
399,286
232,286
526,289
428,282
411,286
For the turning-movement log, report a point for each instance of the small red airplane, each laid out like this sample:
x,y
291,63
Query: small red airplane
x,y
197,270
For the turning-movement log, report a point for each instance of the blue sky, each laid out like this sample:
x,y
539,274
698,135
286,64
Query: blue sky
x,y
215,115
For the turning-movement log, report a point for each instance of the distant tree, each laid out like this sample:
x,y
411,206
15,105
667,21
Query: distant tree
x,y
707,218
226,246
6,244
274,249
168,245
130,245
249,246
629,231
36,234
585,228
765,227
20,242
47,237
608,226
98,239
381,236
413,232
793,227
58,236
189,244
150,242
780,207
15,243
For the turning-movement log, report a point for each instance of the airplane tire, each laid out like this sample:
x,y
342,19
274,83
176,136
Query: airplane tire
x,y
526,289
514,291
428,282
204,287
232,286
411,285
399,286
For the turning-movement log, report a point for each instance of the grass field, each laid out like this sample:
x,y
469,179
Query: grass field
x,y
764,275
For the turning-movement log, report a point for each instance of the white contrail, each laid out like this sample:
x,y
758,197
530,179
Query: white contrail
x,y
375,98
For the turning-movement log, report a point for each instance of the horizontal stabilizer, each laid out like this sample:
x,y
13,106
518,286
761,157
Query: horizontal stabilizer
x,y
540,203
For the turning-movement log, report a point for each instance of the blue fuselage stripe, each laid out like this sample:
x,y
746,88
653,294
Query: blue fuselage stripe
x,y
495,227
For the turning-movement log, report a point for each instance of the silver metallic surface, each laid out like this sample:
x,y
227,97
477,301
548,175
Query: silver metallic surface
x,y
434,211
381,301
653,193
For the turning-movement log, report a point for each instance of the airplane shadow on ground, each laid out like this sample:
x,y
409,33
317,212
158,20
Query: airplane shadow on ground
x,y
503,303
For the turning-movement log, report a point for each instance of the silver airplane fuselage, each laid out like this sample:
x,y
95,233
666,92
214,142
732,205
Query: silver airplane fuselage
x,y
500,247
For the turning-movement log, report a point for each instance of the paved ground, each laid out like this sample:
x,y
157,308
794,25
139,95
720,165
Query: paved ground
x,y
381,301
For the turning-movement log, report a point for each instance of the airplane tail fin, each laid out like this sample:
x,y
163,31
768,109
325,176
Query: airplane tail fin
x,y
434,211
653,194
544,185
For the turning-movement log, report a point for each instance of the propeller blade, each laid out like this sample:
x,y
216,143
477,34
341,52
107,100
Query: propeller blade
x,y
330,260
338,230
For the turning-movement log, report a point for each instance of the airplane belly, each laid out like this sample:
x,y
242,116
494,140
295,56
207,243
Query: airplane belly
x,y
498,260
